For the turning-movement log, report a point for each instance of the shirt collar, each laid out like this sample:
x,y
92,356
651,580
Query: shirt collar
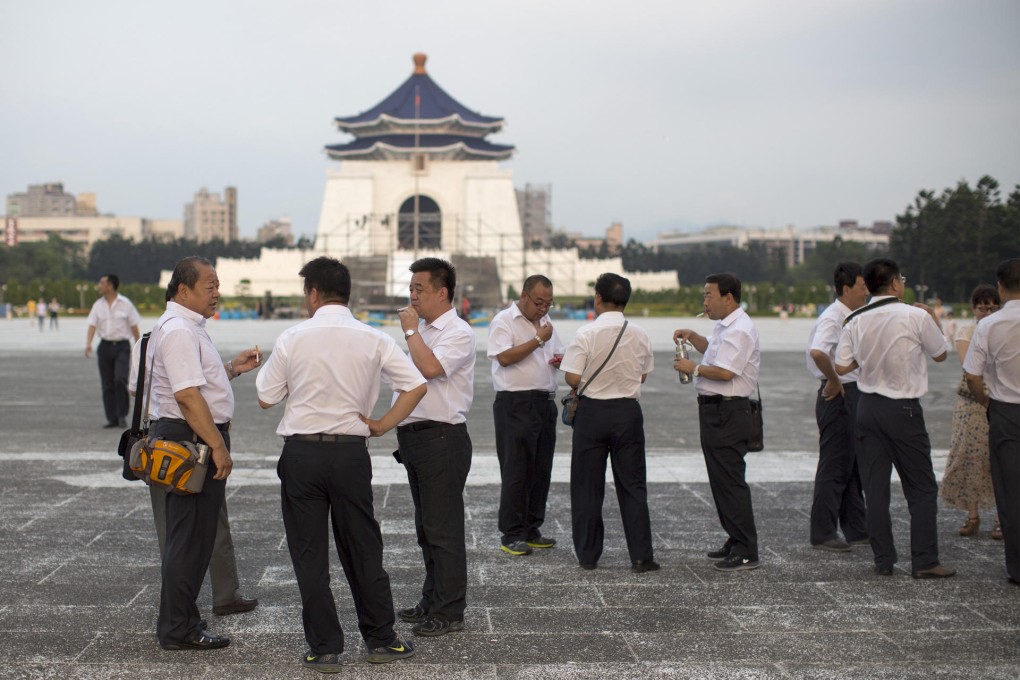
x,y
441,321
728,320
606,317
182,311
515,312
333,310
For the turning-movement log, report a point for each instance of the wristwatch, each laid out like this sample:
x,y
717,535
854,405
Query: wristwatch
x,y
697,370
540,341
409,333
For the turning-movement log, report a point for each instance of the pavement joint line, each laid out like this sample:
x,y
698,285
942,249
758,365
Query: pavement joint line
x,y
141,592
626,640
998,624
488,621
695,574
906,652
96,637
47,576
95,538
828,594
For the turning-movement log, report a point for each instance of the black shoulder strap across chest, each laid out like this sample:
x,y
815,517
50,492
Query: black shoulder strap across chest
x,y
867,308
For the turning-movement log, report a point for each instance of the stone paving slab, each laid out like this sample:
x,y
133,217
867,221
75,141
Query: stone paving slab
x,y
79,578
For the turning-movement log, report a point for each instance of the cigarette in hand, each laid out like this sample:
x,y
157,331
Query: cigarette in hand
x,y
258,356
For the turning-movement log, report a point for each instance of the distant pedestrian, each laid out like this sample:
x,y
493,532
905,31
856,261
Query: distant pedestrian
x,y
116,320
889,342
993,359
40,312
53,309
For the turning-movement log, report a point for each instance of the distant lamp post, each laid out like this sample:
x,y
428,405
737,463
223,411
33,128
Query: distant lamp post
x,y
921,291
3,290
81,288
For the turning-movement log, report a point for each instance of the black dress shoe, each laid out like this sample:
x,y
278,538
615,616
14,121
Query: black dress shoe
x,y
238,606
642,566
589,567
415,614
122,422
199,640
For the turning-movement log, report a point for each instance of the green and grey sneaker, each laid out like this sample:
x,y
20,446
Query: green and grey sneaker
x,y
516,548
541,542
324,663
398,649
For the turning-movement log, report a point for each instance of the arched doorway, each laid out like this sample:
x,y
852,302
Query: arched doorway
x,y
430,224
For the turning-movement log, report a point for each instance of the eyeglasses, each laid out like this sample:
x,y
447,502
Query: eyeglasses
x,y
903,280
546,304
986,308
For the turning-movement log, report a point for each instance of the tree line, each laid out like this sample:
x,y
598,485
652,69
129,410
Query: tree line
x,y
945,243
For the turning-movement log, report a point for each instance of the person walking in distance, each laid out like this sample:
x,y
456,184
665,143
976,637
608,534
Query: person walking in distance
x,y
116,320
525,353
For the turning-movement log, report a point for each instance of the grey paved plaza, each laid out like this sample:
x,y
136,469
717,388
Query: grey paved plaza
x,y
79,578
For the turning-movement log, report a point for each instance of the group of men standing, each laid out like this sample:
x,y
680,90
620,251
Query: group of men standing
x,y
870,359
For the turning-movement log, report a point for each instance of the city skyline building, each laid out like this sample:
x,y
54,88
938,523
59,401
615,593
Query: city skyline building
x,y
209,218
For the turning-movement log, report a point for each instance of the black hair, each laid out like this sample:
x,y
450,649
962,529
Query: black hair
x,y
330,277
728,284
536,280
985,293
845,276
185,274
613,289
113,280
879,274
442,274
1008,275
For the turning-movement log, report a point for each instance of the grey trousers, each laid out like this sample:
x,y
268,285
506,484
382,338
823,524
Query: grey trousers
x,y
222,566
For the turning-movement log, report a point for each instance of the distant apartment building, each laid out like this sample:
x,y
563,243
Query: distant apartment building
x,y
534,203
210,218
613,239
794,246
42,200
278,228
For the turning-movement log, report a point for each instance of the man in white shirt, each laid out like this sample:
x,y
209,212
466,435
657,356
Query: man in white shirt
x,y
993,359
116,320
191,400
725,379
838,498
609,424
325,470
890,342
525,353
434,444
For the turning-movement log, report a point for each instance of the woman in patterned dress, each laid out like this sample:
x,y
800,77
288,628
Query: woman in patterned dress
x,y
967,482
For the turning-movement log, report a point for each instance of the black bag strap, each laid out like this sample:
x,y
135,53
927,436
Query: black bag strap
x,y
136,418
867,308
585,386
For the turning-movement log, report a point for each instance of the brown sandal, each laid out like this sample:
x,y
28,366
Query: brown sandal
x,y
997,530
970,527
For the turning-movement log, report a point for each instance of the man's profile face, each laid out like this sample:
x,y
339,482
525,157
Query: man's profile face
x,y
426,299
203,298
716,306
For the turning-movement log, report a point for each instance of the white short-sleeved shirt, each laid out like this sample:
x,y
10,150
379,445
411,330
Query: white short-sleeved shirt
x,y
508,329
891,345
994,353
450,395
633,358
182,355
824,338
113,322
734,346
329,369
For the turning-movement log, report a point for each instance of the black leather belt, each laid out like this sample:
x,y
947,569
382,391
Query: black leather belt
x,y
330,438
422,425
222,427
114,342
537,394
716,398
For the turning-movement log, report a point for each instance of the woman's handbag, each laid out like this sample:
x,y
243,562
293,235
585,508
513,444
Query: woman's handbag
x,y
571,401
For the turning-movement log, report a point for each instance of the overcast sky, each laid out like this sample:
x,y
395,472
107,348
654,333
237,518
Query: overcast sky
x,y
659,114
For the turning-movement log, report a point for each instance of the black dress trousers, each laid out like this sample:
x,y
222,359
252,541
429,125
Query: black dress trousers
x,y
725,429
838,496
613,429
114,359
1004,447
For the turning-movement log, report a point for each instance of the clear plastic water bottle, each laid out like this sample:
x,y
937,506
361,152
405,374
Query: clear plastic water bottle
x,y
683,351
